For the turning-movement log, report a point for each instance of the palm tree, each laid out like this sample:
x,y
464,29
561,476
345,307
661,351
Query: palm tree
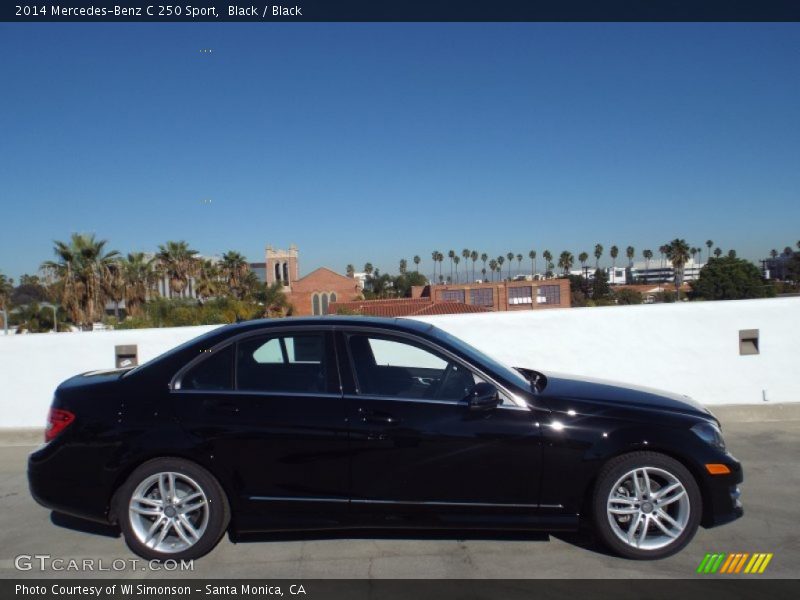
x,y
678,254
565,261
140,279
451,255
731,253
80,269
500,261
709,243
717,251
663,250
693,252
114,284
598,252
466,253
648,255
234,269
519,263
456,260
582,258
403,266
435,259
351,270
493,267
484,258
177,261
440,258
532,256
368,268
417,260
510,257
275,302
208,282
614,252
630,252
548,256
474,256
773,253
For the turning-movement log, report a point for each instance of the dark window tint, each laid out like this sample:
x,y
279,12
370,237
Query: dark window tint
x,y
293,363
212,373
396,368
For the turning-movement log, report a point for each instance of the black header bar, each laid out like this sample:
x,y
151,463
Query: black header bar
x,y
149,11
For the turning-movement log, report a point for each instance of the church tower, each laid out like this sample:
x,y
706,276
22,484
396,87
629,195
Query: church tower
x,y
282,265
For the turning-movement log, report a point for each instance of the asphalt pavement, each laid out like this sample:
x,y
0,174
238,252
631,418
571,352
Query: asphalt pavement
x,y
766,440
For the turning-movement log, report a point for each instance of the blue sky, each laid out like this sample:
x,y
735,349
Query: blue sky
x,y
380,141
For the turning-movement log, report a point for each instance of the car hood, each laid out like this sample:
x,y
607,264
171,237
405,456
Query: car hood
x,y
610,392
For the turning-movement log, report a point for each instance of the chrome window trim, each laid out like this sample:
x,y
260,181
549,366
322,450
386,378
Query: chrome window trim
x,y
175,382
405,502
378,398
257,393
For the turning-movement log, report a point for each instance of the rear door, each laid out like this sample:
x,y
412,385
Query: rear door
x,y
278,427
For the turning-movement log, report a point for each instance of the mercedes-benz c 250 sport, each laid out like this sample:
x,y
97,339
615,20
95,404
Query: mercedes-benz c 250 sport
x,y
346,422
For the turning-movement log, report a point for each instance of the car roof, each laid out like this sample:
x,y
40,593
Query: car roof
x,y
343,321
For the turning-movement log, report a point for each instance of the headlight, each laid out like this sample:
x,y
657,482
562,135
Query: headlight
x,y
710,433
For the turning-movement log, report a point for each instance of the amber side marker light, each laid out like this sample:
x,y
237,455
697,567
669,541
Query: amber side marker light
x,y
717,469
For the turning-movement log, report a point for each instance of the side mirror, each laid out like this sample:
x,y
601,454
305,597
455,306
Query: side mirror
x,y
483,396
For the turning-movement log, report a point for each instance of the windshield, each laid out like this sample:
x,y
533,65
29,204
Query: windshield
x,y
507,373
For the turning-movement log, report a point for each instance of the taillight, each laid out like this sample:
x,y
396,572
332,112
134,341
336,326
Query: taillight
x,y
57,421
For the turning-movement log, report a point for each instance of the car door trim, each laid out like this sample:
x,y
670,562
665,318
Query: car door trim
x,y
404,502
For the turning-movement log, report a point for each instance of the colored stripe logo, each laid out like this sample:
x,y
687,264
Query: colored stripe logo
x,y
735,563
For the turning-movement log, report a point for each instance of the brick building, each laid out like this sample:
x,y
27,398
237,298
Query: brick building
x,y
501,295
314,293
309,295
402,307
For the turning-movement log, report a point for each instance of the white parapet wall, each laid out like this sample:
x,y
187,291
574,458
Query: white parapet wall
x,y
32,366
690,348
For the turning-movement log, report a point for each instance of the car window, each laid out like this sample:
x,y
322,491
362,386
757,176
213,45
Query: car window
x,y
392,367
212,373
287,363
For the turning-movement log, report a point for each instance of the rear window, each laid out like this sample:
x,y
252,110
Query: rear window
x,y
213,373
291,363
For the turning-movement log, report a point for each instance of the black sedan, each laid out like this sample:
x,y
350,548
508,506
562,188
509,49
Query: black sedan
x,y
341,423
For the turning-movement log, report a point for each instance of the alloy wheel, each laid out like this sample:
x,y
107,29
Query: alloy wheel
x,y
648,508
168,512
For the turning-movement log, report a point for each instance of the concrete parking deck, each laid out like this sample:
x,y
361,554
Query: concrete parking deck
x,y
765,438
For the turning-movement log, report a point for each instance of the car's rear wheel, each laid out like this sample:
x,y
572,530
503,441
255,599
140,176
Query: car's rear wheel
x,y
170,508
646,505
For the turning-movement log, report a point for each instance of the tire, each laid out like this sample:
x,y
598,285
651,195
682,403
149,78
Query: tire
x,y
664,510
187,526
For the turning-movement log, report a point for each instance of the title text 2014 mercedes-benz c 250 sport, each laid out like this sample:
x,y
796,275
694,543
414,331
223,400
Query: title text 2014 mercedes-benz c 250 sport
x,y
341,423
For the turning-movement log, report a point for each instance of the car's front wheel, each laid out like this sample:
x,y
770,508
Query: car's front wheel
x,y
170,508
646,505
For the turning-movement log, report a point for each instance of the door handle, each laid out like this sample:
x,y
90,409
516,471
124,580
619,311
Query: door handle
x,y
382,418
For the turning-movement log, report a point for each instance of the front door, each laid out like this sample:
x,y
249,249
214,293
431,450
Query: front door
x,y
419,454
